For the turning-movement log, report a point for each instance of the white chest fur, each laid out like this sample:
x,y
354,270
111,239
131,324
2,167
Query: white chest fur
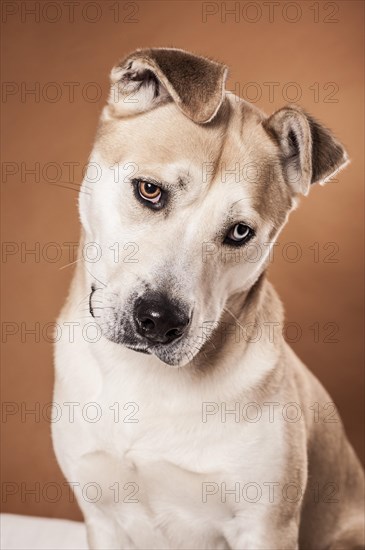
x,y
163,463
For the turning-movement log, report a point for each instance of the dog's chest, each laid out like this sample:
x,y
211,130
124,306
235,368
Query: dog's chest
x,y
167,483
164,471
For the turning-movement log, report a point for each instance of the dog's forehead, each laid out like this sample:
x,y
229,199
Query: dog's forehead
x,y
164,135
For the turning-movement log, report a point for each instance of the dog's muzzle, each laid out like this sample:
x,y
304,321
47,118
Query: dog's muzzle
x,y
160,320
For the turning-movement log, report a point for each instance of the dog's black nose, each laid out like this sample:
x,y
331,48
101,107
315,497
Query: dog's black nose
x,y
159,320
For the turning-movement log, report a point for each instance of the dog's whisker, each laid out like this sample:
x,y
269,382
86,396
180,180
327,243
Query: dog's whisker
x,y
233,316
104,285
77,186
68,188
85,300
71,263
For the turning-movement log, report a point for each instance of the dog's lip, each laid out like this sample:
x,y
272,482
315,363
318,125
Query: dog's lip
x,y
140,350
156,350
146,351
150,350
91,309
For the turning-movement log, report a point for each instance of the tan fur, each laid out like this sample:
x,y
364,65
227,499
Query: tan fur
x,y
185,133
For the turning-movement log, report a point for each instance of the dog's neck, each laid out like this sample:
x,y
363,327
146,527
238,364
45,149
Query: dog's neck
x,y
248,336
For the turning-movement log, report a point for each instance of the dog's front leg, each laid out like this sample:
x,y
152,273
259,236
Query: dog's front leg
x,y
249,533
99,538
104,534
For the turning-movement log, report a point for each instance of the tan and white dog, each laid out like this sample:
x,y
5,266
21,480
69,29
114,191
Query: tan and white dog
x,y
187,421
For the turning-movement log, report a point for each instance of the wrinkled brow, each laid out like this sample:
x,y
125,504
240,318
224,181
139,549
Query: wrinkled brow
x,y
242,210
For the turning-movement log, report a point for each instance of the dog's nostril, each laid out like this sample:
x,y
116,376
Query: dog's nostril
x,y
173,333
147,323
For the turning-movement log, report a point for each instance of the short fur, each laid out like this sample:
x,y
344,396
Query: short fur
x,y
184,464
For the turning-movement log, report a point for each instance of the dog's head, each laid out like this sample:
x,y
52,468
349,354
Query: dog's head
x,y
188,187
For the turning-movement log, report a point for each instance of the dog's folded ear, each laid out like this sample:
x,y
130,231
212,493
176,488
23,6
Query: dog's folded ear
x,y
150,77
310,153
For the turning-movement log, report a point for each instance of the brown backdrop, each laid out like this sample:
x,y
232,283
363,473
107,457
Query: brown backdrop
x,y
298,51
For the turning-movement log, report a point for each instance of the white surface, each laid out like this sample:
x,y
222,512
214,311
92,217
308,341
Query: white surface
x,y
33,533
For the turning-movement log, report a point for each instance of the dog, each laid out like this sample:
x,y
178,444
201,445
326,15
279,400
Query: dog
x,y
174,432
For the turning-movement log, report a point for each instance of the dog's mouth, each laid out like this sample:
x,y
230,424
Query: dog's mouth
x,y
169,354
138,349
138,333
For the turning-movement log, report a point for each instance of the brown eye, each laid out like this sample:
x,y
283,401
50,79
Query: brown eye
x,y
149,192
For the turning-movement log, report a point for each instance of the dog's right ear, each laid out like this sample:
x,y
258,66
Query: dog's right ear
x,y
148,78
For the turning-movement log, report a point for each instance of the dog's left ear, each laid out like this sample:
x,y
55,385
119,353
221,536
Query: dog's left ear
x,y
310,153
148,78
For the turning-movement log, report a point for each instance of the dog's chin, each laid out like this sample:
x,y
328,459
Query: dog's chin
x,y
174,359
171,355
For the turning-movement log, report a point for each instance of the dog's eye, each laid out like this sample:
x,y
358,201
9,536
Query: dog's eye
x,y
239,234
149,191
